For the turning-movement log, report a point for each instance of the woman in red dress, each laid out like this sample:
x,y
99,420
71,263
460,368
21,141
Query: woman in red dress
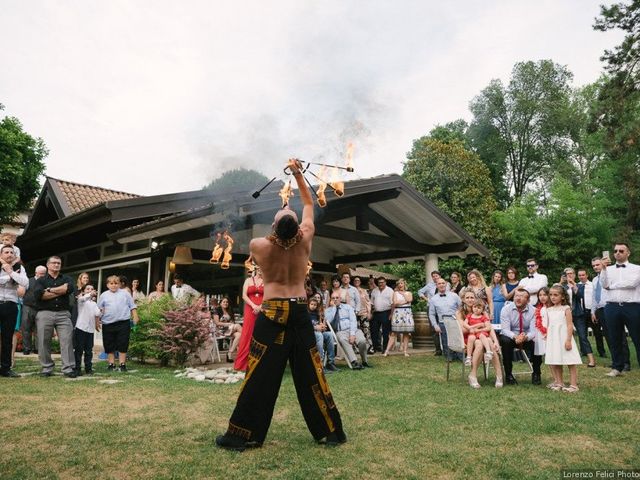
x,y
252,294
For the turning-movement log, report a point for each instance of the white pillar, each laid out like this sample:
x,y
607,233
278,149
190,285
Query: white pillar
x,y
430,264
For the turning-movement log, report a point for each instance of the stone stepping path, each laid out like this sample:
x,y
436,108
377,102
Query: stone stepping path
x,y
217,375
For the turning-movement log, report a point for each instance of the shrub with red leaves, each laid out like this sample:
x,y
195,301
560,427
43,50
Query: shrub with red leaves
x,y
184,333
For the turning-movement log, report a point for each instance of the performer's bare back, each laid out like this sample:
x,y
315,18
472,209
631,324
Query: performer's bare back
x,y
284,270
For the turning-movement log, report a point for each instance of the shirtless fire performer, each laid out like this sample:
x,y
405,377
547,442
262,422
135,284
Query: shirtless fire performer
x,y
283,331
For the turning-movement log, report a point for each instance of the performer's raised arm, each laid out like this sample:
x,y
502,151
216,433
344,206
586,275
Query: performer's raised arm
x,y
305,195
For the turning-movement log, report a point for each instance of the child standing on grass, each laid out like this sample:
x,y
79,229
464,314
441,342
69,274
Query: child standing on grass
x,y
118,308
87,323
561,348
479,326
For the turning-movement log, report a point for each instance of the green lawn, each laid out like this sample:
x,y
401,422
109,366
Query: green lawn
x,y
403,420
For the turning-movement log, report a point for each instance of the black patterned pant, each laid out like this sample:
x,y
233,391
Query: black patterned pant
x,y
283,331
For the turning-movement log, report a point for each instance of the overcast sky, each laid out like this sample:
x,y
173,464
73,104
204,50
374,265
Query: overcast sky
x,y
154,97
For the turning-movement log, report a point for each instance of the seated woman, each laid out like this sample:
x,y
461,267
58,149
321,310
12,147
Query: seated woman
x,y
469,298
158,292
225,326
322,333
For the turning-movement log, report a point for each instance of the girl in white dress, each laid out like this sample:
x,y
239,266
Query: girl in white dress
x,y
561,348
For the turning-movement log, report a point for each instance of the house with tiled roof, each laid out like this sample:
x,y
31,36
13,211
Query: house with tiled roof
x,y
60,198
103,232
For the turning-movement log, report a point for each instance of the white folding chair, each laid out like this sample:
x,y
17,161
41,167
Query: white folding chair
x,y
339,350
525,360
455,340
487,366
215,350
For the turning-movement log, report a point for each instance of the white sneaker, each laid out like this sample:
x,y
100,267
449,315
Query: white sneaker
x,y
614,373
467,362
499,382
488,356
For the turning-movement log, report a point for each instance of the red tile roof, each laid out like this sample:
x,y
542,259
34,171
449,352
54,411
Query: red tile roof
x,y
80,197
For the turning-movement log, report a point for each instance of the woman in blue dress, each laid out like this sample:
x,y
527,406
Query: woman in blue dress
x,y
498,293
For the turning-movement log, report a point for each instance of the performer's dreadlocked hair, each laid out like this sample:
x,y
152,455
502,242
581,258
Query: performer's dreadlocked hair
x,y
287,227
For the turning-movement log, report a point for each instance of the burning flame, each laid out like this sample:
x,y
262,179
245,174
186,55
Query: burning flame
x,y
248,264
336,183
322,198
226,260
349,162
222,248
285,193
217,250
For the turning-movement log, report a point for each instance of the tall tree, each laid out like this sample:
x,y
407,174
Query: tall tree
x,y
21,165
237,180
624,58
456,181
619,111
585,143
525,123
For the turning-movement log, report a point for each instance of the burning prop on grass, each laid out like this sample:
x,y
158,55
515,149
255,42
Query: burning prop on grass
x,y
222,249
327,176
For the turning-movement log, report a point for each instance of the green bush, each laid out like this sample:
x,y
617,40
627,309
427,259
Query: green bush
x,y
145,338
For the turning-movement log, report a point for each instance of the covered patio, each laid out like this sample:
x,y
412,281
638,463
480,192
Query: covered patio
x,y
379,220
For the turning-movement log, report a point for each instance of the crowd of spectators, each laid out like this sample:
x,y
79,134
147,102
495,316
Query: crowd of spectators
x,y
500,321
364,316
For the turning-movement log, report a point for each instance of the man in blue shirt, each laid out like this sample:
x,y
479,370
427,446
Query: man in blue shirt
x,y
342,318
443,303
518,331
429,290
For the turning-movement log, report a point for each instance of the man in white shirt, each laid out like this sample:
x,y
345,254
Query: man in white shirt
x,y
622,283
381,302
181,291
534,281
598,302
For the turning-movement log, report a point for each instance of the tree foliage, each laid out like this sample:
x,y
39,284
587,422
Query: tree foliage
x,y
624,58
568,230
240,179
145,340
21,165
455,180
524,123
618,114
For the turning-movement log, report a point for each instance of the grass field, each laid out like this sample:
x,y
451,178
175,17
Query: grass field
x,y
403,420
